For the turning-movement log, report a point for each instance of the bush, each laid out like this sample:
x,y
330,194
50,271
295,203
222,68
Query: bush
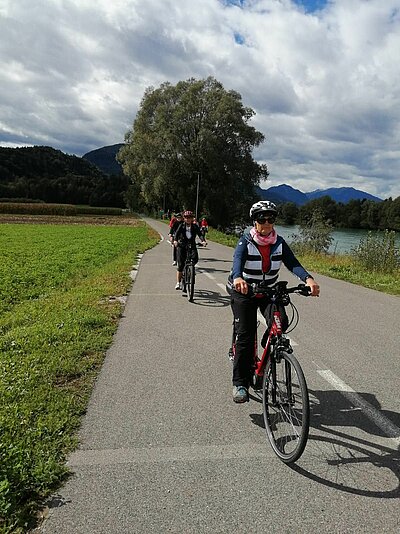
x,y
315,235
377,252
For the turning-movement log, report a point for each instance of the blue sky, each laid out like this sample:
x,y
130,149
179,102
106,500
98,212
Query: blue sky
x,y
322,76
311,5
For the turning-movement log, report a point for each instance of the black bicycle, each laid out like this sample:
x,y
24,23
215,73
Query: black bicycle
x,y
189,272
278,374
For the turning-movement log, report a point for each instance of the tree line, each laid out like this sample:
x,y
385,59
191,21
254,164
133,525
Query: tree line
x,y
365,214
46,174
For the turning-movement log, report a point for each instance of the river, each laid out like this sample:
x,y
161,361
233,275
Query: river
x,y
344,239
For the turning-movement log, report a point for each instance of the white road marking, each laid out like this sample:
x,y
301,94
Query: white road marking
x,y
168,454
382,422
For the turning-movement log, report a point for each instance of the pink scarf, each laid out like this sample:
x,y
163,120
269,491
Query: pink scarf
x,y
269,239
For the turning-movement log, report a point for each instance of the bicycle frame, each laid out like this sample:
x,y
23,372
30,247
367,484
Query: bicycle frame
x,y
274,332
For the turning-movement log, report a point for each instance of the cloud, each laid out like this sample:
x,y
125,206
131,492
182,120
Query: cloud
x,y
322,76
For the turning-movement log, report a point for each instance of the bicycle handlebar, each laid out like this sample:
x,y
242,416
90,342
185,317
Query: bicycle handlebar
x,y
280,289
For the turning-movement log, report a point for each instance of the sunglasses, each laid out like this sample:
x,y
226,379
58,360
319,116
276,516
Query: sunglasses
x,y
262,220
188,217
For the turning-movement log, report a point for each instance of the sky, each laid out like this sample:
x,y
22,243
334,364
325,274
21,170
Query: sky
x,y
323,77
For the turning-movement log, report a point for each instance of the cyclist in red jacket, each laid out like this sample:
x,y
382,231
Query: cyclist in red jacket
x,y
203,226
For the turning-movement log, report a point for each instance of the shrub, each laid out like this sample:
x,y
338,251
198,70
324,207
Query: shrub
x,y
315,235
378,252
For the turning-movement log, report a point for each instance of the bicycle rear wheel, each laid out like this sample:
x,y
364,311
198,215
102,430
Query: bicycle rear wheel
x,y
286,407
190,282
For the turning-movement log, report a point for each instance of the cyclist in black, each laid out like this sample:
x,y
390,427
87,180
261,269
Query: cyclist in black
x,y
175,222
258,257
186,234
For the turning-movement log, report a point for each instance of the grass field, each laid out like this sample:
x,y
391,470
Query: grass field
x,y
56,322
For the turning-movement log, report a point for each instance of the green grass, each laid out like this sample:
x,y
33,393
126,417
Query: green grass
x,y
56,322
342,267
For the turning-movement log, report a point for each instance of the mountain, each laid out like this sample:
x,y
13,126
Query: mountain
x,y
105,158
342,194
285,193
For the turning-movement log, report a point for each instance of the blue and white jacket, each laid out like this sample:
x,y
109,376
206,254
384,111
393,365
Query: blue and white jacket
x,y
247,262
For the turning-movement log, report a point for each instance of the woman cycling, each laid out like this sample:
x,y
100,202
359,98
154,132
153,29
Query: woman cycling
x,y
185,235
258,256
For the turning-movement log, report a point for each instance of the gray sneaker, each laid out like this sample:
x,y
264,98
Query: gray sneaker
x,y
240,394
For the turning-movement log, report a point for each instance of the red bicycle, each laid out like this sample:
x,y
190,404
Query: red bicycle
x,y
278,374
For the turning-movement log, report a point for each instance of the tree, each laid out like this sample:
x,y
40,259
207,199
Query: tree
x,y
288,213
325,205
190,133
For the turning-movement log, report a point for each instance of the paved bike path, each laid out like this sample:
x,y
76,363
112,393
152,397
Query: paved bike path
x,y
164,449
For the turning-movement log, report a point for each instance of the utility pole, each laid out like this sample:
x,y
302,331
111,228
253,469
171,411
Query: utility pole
x,y
197,194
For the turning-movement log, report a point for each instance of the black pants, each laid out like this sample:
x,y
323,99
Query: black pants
x,y
244,310
181,254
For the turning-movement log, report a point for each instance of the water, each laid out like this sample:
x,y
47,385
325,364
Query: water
x,y
343,240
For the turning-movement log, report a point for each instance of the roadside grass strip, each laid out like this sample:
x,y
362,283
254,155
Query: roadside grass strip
x,y
57,319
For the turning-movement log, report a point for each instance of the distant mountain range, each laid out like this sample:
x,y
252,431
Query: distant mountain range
x,y
104,159
285,193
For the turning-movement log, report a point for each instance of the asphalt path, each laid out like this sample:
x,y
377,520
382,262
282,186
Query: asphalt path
x,y
163,448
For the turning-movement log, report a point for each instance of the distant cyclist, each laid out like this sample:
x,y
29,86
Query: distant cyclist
x,y
186,234
258,256
204,227
173,225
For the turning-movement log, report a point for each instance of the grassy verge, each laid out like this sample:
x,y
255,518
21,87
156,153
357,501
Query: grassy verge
x,y
56,322
342,267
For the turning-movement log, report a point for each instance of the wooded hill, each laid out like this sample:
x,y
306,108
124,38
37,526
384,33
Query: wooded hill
x,y
44,173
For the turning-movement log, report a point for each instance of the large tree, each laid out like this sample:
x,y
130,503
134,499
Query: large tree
x,y
194,133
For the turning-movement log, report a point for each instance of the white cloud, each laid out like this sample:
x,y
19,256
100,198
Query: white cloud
x,y
325,85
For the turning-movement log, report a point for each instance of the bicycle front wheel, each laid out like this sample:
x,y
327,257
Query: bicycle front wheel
x,y
190,282
184,279
286,407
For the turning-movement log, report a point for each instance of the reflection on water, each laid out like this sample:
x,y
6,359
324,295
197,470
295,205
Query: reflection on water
x,y
343,240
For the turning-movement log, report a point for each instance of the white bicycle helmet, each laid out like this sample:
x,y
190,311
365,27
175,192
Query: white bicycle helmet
x,y
262,206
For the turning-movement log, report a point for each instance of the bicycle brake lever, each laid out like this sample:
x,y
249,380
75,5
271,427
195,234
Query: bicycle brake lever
x,y
305,290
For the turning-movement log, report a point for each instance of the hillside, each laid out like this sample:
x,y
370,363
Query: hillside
x,y
104,158
47,174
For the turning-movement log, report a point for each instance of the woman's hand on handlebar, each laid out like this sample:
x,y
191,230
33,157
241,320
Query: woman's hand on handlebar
x,y
240,286
314,287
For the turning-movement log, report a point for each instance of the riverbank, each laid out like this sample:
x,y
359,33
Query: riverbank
x,y
340,266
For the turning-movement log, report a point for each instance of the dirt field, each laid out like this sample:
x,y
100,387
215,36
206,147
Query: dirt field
x,y
105,220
